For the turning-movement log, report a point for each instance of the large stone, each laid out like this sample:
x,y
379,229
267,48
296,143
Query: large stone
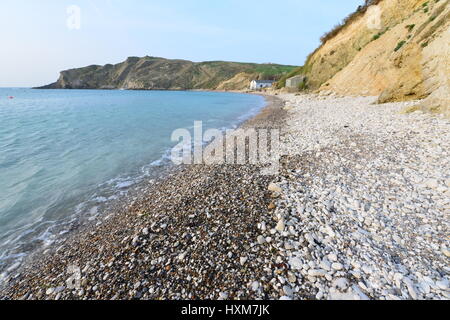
x,y
296,264
288,291
261,240
275,188
50,291
340,284
446,252
337,266
281,225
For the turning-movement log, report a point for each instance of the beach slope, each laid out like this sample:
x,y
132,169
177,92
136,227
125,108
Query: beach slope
x,y
358,211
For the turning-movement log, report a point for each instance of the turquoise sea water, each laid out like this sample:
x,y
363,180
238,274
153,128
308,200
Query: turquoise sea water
x,y
64,151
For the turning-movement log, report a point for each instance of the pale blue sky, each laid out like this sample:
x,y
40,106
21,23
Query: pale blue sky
x,y
37,44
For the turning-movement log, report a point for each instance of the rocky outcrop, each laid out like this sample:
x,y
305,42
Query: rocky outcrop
x,y
402,56
152,73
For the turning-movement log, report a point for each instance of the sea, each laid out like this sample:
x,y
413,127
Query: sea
x,y
65,153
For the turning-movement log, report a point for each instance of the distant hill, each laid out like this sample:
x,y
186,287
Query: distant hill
x,y
153,73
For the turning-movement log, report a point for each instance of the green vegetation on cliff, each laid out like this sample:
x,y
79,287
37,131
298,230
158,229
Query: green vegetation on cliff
x,y
153,73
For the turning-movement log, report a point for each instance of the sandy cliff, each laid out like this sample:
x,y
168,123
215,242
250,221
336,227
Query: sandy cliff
x,y
397,49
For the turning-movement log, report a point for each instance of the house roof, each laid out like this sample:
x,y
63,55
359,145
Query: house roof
x,y
264,81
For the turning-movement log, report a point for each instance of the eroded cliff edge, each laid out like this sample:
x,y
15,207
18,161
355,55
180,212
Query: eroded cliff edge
x,y
396,49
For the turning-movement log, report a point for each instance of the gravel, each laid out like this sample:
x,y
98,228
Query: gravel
x,y
360,210
366,198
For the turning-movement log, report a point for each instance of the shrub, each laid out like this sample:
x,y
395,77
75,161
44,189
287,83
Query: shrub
x,y
400,45
303,86
379,34
410,27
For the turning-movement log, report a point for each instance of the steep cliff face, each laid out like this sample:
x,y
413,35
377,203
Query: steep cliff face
x,y
402,56
151,73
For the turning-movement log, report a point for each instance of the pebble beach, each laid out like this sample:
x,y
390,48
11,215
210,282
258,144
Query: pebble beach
x,y
360,210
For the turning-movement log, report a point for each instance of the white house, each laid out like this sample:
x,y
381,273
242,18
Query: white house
x,y
261,84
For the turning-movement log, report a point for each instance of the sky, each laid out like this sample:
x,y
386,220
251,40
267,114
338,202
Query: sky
x,y
41,38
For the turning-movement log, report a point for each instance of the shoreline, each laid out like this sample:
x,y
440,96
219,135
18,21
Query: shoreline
x,y
359,211
75,221
42,259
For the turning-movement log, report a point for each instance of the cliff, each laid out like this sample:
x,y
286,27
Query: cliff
x,y
395,49
152,73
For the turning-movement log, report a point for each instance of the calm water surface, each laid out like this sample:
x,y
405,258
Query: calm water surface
x,y
64,152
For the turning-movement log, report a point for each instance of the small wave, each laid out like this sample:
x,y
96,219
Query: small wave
x,y
45,233
100,199
125,184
